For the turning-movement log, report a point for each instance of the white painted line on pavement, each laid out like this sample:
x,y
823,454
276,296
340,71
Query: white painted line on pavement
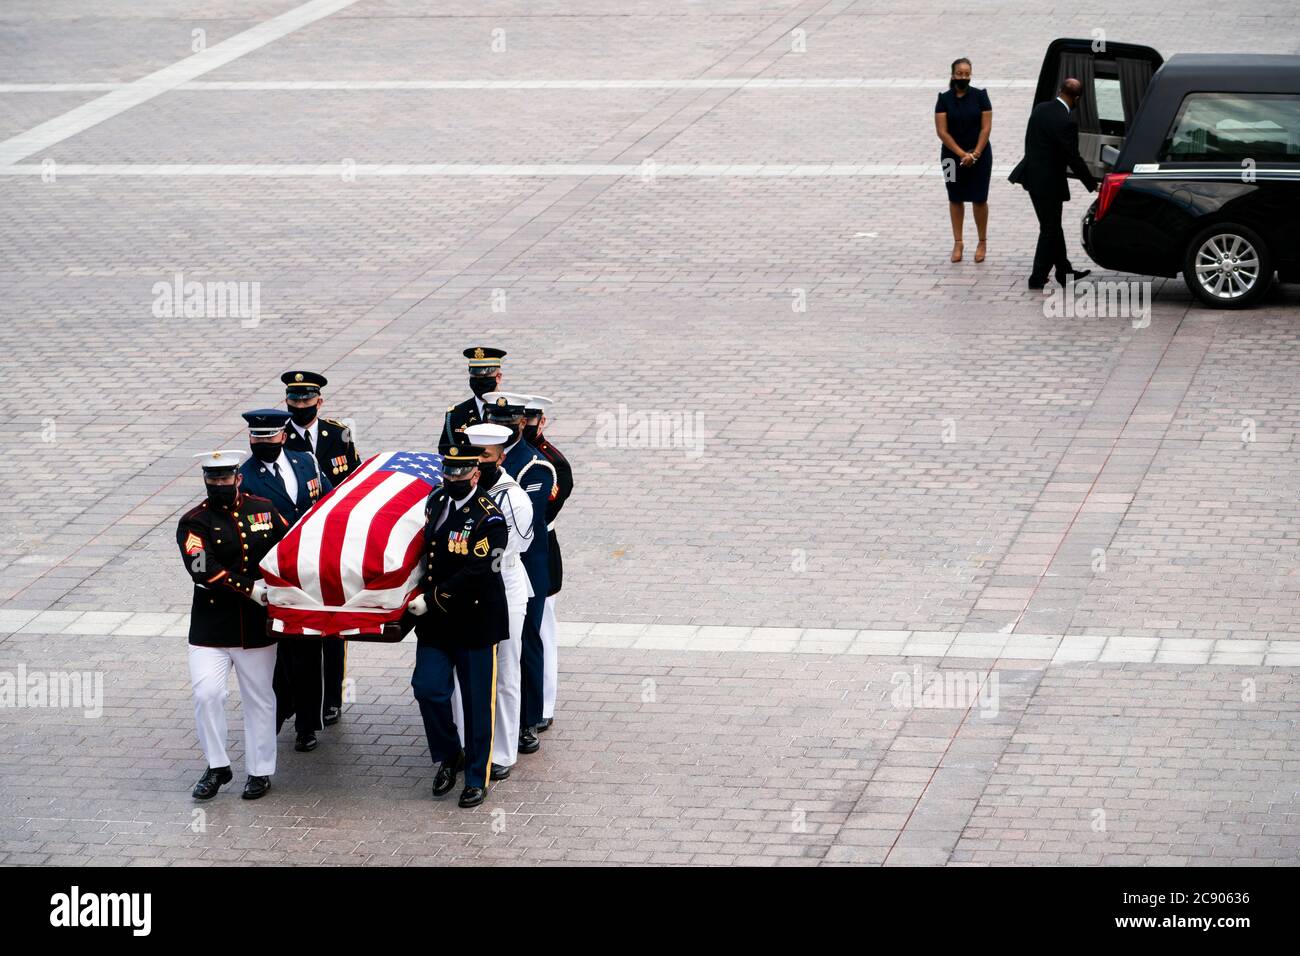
x,y
168,78
710,83
946,645
649,170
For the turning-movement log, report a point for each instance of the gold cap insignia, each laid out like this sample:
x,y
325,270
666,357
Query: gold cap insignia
x,y
216,454
298,377
478,353
501,401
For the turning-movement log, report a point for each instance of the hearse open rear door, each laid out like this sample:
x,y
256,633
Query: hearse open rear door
x,y
1115,77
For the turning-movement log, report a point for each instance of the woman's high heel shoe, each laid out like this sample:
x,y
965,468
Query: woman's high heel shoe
x,y
956,251
979,251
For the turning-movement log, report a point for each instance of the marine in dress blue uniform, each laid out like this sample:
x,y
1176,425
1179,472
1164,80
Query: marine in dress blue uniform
x,y
484,377
461,617
536,476
293,482
336,455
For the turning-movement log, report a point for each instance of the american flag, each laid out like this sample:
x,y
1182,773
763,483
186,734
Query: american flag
x,y
351,563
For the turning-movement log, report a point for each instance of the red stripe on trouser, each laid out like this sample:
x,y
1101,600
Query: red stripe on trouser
x,y
330,574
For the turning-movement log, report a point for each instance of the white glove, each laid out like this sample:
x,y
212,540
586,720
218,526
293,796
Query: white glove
x,y
418,606
259,592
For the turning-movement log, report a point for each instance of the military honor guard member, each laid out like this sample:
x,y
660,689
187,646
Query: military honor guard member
x,y
461,617
534,425
336,456
222,542
536,476
293,482
515,507
484,377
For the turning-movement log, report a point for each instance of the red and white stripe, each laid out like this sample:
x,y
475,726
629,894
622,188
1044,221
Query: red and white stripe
x,y
352,563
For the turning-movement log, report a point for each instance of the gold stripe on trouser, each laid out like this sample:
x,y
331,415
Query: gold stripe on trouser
x,y
492,722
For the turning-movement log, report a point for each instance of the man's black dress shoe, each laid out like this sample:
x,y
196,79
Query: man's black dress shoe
x,y
306,743
499,772
445,778
211,782
1037,284
471,797
1077,274
545,725
332,715
257,787
528,742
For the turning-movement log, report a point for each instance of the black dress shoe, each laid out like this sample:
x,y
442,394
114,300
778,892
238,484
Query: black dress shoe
x,y
257,787
306,743
332,715
1037,283
471,797
499,772
445,778
528,742
211,782
545,725
1077,274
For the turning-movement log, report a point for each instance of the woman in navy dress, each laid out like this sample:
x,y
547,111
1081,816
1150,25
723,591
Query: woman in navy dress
x,y
963,118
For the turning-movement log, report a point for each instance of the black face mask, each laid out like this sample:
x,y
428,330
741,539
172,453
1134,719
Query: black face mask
x,y
457,488
265,451
960,85
481,385
302,417
531,433
222,496
488,475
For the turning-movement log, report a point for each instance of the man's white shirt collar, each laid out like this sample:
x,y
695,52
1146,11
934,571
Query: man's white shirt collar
x,y
313,429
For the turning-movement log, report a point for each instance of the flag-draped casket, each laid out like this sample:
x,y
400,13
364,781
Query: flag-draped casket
x,y
352,563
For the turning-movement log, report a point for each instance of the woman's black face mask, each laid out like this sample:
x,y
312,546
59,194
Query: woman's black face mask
x,y
961,84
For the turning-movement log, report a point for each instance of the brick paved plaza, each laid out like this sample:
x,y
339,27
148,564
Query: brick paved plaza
x,y
725,214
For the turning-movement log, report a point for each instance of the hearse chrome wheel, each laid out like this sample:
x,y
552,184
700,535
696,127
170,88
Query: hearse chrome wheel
x,y
1227,266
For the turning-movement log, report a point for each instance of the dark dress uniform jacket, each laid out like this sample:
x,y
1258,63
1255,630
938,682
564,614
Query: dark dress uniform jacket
x,y
335,452
564,482
1051,145
458,418
312,485
222,551
462,583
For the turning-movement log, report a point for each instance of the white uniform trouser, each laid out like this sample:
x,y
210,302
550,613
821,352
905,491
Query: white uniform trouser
x,y
505,739
550,660
209,676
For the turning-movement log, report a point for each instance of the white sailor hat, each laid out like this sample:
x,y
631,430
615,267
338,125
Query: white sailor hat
x,y
485,435
504,405
537,404
214,462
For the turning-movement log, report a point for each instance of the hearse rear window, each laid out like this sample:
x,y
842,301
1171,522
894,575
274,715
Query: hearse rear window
x,y
1235,127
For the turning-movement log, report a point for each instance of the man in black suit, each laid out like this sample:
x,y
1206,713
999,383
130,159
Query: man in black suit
x,y
336,456
1052,146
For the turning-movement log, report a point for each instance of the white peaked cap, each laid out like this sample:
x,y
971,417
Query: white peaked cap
x,y
226,458
486,435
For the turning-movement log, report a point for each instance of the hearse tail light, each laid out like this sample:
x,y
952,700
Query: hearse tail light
x,y
1110,187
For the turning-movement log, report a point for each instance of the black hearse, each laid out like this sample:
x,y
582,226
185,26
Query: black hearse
x,y
1199,162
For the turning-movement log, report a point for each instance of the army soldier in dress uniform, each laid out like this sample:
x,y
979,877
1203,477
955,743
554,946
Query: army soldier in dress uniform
x,y
293,482
222,542
515,507
331,442
534,423
461,616
536,476
484,377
